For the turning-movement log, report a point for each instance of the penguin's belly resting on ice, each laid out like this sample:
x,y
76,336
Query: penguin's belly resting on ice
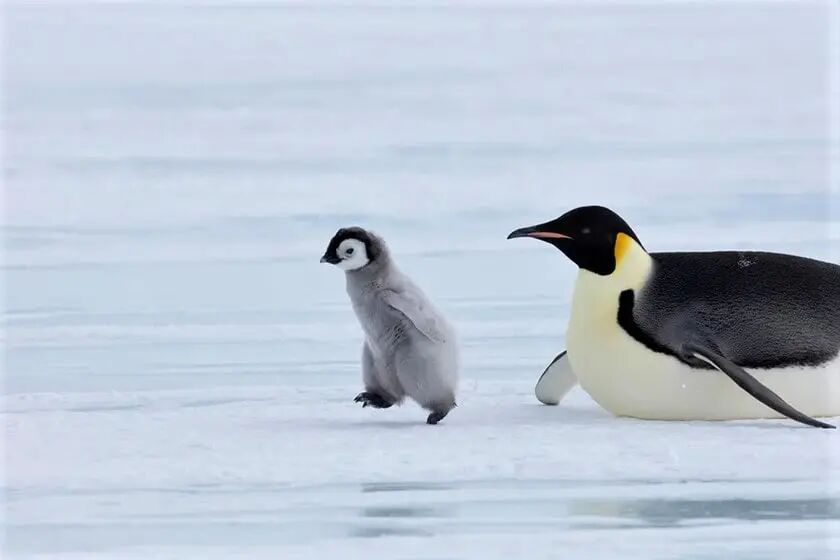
x,y
633,374
694,336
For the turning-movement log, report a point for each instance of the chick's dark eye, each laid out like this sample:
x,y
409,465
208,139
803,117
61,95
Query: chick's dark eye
x,y
350,251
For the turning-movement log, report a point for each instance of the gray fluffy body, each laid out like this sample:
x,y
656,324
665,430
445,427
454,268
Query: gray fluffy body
x,y
410,349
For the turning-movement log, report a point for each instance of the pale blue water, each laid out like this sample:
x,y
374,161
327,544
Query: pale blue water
x,y
360,515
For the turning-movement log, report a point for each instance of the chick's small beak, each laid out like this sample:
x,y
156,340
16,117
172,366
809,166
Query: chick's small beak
x,y
330,258
533,231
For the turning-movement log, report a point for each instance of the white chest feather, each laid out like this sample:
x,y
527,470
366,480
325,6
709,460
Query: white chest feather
x,y
628,379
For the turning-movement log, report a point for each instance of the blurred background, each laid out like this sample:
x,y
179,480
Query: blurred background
x,y
175,170
179,366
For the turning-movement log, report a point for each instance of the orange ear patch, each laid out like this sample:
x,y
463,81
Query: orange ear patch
x,y
623,243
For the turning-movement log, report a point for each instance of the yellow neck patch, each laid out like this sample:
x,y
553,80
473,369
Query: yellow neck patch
x,y
623,243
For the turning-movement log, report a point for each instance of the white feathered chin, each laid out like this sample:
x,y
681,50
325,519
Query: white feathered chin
x,y
353,255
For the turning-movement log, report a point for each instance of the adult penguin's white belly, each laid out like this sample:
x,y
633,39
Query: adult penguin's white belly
x,y
627,378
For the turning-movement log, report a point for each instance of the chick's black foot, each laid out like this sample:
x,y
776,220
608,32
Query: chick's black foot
x,y
371,399
436,417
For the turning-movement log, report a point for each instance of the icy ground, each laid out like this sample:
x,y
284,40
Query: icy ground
x,y
179,369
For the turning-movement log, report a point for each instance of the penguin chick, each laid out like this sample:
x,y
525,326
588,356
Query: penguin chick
x,y
409,349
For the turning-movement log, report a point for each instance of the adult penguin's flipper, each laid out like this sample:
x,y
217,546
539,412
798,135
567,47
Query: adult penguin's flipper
x,y
557,380
750,384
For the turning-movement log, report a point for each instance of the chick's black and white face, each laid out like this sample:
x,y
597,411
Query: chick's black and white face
x,y
353,254
350,249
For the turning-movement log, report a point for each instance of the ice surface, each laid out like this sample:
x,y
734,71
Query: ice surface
x,y
179,369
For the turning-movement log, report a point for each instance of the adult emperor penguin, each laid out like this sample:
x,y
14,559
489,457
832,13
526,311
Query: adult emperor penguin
x,y
648,330
410,348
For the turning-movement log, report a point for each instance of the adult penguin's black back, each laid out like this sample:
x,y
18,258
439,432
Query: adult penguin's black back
x,y
761,310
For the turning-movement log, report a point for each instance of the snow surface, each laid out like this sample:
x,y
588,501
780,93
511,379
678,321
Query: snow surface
x,y
179,369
